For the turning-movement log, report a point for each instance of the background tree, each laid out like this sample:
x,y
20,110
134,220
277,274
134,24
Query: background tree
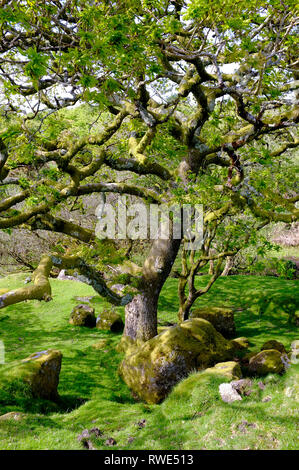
x,y
196,102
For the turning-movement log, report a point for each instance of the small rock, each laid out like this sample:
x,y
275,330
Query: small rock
x,y
100,344
240,343
242,386
230,369
110,442
84,435
266,399
118,288
27,280
109,321
96,431
261,385
141,424
15,415
273,344
244,425
83,315
286,361
228,394
88,445
84,438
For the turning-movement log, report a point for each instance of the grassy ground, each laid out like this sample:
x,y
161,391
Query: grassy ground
x,y
92,394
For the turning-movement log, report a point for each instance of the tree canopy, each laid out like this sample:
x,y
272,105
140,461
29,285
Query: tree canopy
x,y
185,101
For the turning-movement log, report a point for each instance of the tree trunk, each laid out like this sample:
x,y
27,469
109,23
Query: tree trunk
x,y
228,265
184,310
141,313
141,316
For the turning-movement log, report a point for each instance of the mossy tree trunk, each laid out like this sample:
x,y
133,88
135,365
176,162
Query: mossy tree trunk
x,y
141,313
228,266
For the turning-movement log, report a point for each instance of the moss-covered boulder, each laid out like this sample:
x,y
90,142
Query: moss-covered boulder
x,y
266,362
246,358
39,373
273,344
155,367
221,318
241,343
111,321
102,344
12,415
83,315
229,369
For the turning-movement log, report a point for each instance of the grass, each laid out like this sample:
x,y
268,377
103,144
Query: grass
x,y
92,394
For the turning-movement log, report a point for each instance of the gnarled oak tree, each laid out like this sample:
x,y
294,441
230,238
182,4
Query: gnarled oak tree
x,y
197,102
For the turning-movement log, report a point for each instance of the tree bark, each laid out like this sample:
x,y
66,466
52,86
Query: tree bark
x,y
184,310
228,266
40,290
141,313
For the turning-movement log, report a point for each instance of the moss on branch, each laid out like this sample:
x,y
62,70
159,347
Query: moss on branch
x,y
40,290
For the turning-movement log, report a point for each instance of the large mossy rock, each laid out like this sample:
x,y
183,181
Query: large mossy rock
x,y
273,344
39,373
221,318
152,369
83,315
241,343
111,321
229,369
12,415
266,362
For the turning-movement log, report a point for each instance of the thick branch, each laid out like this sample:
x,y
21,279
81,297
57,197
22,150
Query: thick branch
x,y
41,290
93,278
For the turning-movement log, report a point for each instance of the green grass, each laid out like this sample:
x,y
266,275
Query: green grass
x,y
92,394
